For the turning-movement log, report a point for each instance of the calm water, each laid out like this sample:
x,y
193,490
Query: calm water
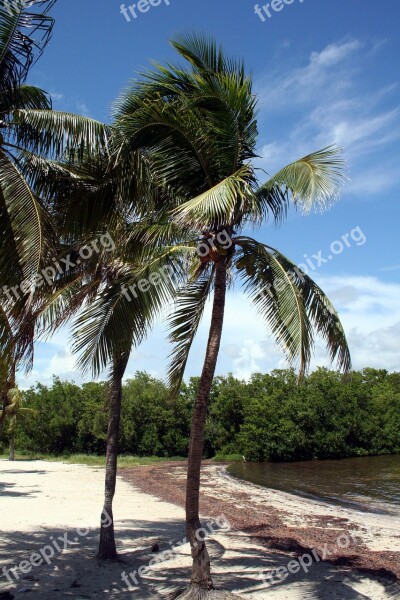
x,y
371,483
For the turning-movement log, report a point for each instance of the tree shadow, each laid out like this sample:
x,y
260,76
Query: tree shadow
x,y
6,491
25,472
28,491
238,566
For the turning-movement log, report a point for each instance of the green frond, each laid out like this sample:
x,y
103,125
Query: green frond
x,y
292,304
123,312
24,33
184,322
23,220
220,204
54,134
7,344
314,181
23,97
57,306
205,56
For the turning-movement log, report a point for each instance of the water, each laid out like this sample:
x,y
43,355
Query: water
x,y
370,483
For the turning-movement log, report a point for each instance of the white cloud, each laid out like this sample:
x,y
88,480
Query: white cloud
x,y
369,310
368,307
329,101
56,96
82,109
303,84
331,55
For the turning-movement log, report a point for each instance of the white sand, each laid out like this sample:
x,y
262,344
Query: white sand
x,y
42,499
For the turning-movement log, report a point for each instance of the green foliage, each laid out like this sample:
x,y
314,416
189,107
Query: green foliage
x,y
269,418
228,458
91,460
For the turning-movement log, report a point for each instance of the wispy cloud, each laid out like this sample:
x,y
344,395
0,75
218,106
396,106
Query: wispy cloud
x,y
69,104
82,109
56,96
370,313
302,84
331,105
393,268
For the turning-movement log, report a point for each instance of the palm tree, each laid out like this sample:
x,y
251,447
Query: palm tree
x,y
197,129
105,332
30,135
92,195
16,412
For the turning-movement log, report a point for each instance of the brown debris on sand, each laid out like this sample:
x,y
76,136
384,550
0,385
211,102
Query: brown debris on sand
x,y
274,527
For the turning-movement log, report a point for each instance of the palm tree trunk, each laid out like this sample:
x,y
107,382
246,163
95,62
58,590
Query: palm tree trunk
x,y
12,446
107,547
201,574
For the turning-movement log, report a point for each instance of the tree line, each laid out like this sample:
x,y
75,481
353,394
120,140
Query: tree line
x,y
268,418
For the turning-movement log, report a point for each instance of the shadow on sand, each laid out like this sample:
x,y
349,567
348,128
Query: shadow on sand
x,y
75,572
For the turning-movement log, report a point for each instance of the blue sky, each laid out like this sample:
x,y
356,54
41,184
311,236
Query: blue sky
x,y
325,71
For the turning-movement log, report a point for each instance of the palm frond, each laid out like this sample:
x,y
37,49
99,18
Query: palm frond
x,y
313,181
205,56
7,344
184,322
220,204
122,313
54,134
23,36
23,97
26,224
293,305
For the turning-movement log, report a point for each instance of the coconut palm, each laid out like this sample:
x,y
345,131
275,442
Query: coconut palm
x,y
30,135
110,325
92,195
105,333
197,129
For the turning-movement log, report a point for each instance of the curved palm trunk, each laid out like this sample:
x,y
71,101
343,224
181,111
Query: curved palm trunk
x,y
107,547
201,574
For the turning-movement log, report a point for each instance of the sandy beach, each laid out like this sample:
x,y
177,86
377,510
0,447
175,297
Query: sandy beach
x,y
50,511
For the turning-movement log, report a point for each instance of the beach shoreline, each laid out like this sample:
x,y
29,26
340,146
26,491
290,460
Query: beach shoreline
x,y
45,501
362,540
